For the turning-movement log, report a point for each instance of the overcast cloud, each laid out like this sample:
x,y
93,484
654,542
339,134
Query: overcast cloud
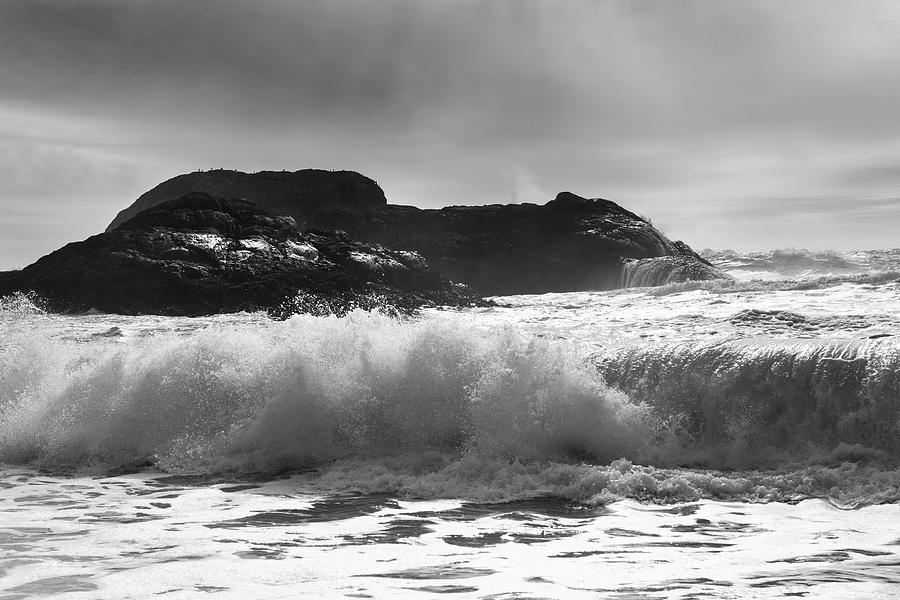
x,y
745,124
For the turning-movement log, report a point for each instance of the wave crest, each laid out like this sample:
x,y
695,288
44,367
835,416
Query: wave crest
x,y
436,408
304,391
758,401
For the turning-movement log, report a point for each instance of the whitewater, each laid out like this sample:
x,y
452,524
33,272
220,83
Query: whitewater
x,y
728,439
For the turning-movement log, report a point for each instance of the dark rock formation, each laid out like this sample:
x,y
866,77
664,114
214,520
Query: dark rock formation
x,y
299,194
200,255
570,243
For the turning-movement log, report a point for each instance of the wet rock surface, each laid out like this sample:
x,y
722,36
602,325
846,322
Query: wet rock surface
x,y
570,243
199,254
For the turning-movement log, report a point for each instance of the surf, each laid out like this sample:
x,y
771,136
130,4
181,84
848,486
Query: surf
x,y
444,405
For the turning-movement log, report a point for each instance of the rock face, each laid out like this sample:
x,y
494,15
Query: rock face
x,y
570,243
298,194
199,254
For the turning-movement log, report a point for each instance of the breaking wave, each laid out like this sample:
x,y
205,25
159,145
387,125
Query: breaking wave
x,y
666,270
433,407
305,391
760,401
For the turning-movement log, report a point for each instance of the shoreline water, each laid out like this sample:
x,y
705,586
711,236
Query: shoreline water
x,y
145,535
727,440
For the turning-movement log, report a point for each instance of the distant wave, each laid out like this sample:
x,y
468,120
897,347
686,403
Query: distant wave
x,y
664,270
724,286
765,271
803,264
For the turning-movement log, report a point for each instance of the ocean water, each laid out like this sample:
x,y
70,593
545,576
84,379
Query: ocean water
x,y
728,439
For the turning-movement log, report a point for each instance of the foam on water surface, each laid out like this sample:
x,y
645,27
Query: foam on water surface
x,y
720,381
146,535
728,439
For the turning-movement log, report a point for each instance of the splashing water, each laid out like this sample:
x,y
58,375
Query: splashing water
x,y
457,404
303,392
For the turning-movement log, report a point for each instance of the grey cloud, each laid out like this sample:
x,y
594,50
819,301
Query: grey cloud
x,y
480,69
265,62
441,100
484,73
813,206
885,174
24,171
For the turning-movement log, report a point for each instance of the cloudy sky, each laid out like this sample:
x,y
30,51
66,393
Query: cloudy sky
x,y
748,124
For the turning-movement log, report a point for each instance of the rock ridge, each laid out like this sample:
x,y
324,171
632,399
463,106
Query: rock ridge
x,y
298,194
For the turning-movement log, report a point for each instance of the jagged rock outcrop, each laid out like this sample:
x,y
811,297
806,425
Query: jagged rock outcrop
x,y
297,194
569,243
199,254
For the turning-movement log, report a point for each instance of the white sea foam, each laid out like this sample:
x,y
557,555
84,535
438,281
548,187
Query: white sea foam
x,y
303,391
148,536
488,404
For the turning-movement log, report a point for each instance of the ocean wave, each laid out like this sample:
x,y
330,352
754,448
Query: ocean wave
x,y
840,476
775,321
434,407
788,260
304,391
803,264
725,286
758,401
665,270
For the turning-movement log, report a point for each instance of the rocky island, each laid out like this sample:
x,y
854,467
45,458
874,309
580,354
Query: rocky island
x,y
570,243
327,241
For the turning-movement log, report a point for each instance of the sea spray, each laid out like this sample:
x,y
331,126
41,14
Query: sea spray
x,y
306,391
447,406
